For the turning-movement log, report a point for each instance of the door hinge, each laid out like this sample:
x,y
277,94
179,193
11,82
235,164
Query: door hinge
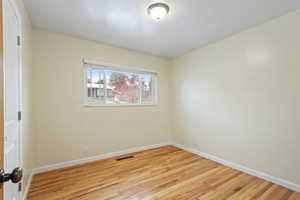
x,y
19,115
19,40
20,187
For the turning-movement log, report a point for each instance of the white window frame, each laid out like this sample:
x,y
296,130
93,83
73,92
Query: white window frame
x,y
88,64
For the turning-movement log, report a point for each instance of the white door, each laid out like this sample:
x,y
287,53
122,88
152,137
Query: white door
x,y
11,96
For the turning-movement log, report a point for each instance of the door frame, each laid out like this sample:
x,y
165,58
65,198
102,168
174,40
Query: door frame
x,y
20,100
20,106
1,96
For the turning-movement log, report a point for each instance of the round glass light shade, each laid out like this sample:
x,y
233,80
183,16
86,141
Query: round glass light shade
x,y
158,11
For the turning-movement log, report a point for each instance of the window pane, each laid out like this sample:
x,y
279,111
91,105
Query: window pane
x,y
95,85
122,88
147,89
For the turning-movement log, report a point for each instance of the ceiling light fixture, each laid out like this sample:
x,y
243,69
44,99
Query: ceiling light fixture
x,y
158,11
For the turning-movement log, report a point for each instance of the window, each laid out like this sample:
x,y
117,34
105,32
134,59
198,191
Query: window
x,y
107,85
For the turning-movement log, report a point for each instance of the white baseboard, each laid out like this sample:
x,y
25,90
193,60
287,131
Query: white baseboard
x,y
96,158
262,175
252,172
27,186
86,160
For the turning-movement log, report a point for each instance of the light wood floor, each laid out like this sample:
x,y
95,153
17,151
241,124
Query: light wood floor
x,y
164,173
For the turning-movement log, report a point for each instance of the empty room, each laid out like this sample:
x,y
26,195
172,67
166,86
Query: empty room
x,y
150,100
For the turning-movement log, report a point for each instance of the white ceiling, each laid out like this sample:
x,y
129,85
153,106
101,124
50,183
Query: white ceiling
x,y
125,23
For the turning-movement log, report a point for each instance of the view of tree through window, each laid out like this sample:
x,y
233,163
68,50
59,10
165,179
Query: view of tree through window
x,y
122,88
110,87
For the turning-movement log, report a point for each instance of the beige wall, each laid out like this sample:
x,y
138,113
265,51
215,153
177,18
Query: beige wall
x,y
65,129
27,137
238,99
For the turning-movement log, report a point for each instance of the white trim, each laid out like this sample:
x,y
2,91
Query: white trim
x,y
246,170
96,158
111,67
105,86
117,67
87,160
118,105
252,172
17,13
27,187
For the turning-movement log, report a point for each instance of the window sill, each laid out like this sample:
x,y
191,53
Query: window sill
x,y
120,105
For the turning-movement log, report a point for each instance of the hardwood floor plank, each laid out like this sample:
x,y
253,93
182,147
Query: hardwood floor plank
x,y
295,196
166,173
228,188
275,192
252,190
